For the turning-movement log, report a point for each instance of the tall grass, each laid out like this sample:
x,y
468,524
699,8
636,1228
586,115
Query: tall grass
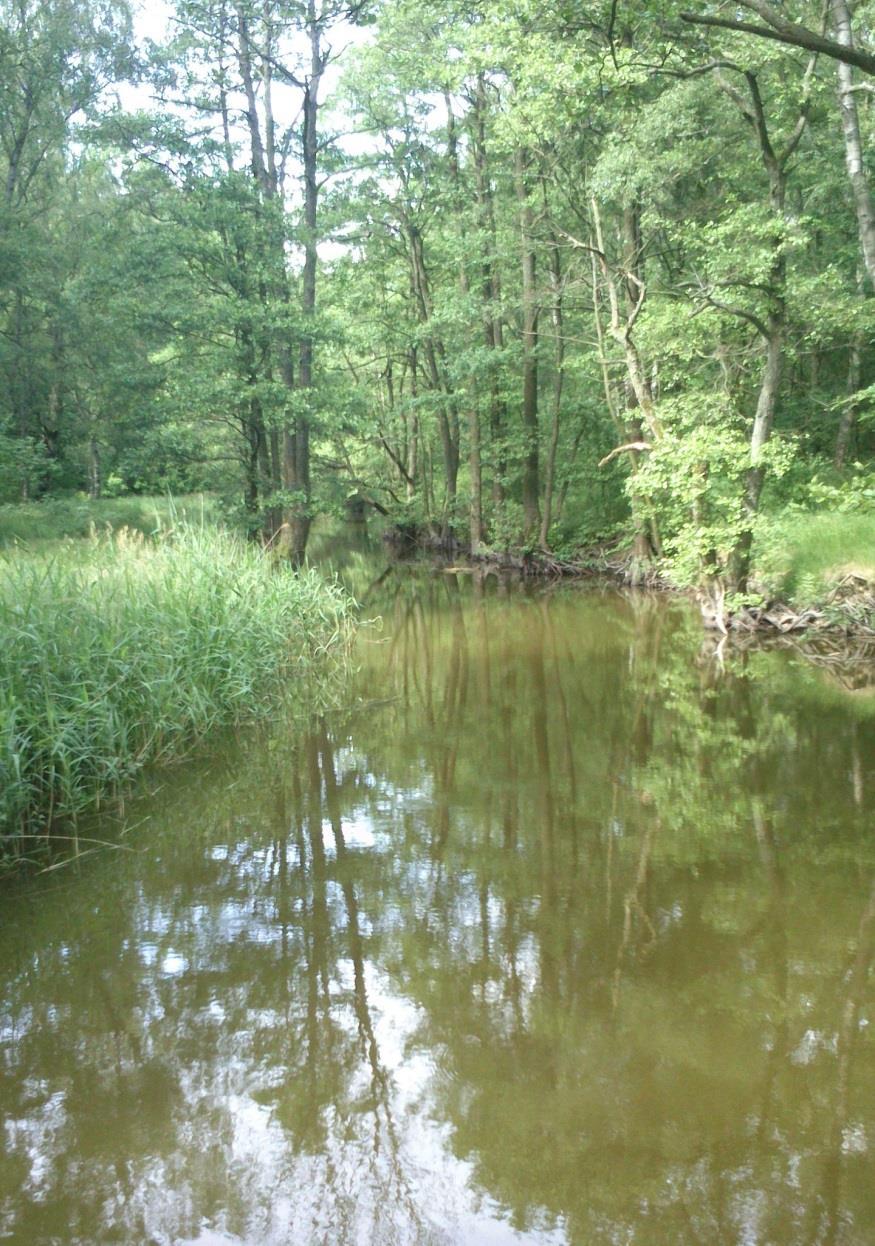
x,y
32,523
120,652
801,555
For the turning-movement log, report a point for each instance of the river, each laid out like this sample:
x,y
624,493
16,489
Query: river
x,y
558,931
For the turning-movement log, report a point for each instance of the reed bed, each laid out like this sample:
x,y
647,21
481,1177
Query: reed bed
x,y
122,652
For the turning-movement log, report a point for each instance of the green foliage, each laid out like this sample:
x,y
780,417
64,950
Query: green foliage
x,y
157,318
693,481
125,652
853,492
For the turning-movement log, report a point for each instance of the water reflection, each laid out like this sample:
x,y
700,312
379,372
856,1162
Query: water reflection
x,y
561,936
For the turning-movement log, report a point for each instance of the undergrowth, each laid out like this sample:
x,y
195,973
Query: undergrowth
x,y
32,523
801,556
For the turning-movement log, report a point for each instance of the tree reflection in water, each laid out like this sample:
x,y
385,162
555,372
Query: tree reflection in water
x,y
561,935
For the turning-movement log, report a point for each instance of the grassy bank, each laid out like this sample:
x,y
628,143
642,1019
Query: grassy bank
x,y
802,555
822,561
121,652
33,523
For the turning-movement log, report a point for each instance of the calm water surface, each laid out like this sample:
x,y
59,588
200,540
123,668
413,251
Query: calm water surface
x,y
560,935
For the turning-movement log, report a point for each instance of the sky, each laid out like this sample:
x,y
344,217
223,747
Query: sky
x,y
153,20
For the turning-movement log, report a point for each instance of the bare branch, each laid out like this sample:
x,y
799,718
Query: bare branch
x,y
741,312
631,447
804,113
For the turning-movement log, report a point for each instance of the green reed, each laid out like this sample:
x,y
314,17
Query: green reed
x,y
122,652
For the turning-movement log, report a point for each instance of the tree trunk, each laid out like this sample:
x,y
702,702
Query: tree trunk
x,y
530,310
294,446
853,145
773,329
251,476
639,399
251,418
434,358
475,466
297,442
491,288
558,382
412,422
849,413
773,365
639,381
762,430
94,479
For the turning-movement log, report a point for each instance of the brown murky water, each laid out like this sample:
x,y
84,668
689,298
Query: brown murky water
x,y
562,935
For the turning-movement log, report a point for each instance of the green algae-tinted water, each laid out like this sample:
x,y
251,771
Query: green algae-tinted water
x,y
562,935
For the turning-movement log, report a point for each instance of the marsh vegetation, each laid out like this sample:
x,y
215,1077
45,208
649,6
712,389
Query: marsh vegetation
x,y
120,652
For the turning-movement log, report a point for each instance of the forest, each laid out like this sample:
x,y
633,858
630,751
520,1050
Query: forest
x,y
389,392
513,275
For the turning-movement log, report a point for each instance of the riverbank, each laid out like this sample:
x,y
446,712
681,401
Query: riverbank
x,y
813,573
122,652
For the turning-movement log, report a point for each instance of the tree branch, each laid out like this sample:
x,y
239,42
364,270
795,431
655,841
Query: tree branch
x,y
633,447
741,312
782,31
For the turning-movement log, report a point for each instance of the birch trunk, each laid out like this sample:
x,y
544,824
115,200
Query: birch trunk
x,y
853,145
